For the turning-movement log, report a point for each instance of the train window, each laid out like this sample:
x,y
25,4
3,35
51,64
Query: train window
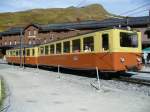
x,y
14,53
58,48
23,52
46,49
33,52
10,53
41,50
128,39
105,41
88,44
28,52
52,49
76,45
17,53
66,46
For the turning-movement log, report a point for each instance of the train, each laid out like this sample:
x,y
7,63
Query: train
x,y
108,50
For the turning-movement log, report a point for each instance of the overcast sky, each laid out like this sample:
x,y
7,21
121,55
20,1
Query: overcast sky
x,y
113,6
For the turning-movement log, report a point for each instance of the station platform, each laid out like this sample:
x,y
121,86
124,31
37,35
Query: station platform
x,y
143,74
145,69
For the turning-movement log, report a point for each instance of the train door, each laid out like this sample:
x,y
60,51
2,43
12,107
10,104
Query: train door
x,y
105,42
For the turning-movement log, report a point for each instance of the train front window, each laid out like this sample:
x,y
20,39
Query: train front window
x,y
128,39
76,45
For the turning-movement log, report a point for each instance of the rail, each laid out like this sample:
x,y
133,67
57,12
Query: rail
x,y
133,80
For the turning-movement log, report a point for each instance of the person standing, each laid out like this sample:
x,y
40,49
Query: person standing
x,y
145,57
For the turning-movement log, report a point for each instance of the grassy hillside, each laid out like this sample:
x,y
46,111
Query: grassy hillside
x,y
52,15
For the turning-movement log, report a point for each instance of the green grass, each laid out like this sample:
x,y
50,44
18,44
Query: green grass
x,y
52,15
3,93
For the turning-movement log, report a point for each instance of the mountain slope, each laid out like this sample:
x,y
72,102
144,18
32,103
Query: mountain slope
x,y
52,15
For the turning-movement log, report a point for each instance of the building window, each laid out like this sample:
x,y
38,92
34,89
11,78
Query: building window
x,y
148,35
10,43
15,42
5,43
45,41
35,32
34,41
29,33
30,42
51,36
147,32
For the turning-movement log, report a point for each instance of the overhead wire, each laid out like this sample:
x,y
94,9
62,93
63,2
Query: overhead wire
x,y
139,12
136,9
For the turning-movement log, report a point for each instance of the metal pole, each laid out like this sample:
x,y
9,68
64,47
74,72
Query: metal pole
x,y
24,57
37,66
98,80
127,20
149,19
58,69
21,48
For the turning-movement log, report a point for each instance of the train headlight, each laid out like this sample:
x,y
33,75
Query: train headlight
x,y
122,60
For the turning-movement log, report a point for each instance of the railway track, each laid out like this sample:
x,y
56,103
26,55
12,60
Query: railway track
x,y
133,80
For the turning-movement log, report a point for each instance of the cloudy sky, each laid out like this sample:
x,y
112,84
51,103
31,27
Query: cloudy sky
x,y
113,6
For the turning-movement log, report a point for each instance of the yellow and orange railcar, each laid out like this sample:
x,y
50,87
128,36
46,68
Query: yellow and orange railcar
x,y
29,56
110,50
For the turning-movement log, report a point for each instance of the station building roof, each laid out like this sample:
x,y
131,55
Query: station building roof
x,y
131,21
13,31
